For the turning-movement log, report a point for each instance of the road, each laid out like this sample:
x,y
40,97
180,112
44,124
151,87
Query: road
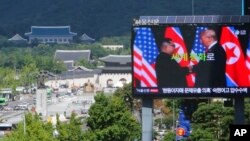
x,y
57,106
7,116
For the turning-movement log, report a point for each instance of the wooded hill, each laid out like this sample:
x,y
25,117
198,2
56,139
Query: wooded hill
x,y
99,18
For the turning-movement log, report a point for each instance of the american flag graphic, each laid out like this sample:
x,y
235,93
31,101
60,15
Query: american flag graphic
x,y
198,48
145,52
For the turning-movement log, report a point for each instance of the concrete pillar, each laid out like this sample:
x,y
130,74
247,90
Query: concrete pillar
x,y
147,119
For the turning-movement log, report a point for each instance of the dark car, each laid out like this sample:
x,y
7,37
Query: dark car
x,y
84,111
16,108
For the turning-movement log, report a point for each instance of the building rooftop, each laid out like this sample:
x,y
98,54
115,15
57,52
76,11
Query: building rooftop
x,y
50,31
118,69
81,68
17,37
122,59
85,37
72,55
78,74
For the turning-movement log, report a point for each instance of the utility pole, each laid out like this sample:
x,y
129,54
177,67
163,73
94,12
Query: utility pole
x,y
24,124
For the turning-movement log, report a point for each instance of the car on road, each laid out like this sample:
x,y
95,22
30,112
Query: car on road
x,y
25,103
21,107
1,108
161,132
7,108
84,111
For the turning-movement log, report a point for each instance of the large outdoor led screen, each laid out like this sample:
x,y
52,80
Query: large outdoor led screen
x,y
191,60
247,7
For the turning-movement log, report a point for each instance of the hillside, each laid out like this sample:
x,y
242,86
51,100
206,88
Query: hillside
x,y
99,18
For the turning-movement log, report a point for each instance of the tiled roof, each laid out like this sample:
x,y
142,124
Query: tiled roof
x,y
117,59
72,55
117,69
85,37
78,74
17,37
81,68
50,30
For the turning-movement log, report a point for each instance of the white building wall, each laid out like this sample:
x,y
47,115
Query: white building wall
x,y
100,81
113,47
116,77
48,39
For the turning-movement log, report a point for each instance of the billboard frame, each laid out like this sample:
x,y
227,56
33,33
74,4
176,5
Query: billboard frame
x,y
149,21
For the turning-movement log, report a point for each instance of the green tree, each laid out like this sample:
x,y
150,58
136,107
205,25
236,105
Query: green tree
x,y
8,78
28,74
70,131
213,117
170,136
247,110
120,40
58,67
49,64
111,120
35,130
166,121
125,93
38,130
176,102
201,135
87,64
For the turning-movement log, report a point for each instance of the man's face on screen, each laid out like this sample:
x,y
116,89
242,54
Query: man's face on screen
x,y
168,47
206,40
208,37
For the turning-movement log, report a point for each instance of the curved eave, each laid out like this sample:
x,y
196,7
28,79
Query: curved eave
x,y
27,34
73,33
114,58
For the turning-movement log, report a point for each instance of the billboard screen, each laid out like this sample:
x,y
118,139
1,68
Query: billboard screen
x,y
191,60
247,7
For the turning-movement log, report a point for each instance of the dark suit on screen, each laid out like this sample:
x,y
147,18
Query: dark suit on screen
x,y
211,73
169,73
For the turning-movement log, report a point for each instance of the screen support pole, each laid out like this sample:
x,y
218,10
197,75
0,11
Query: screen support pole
x,y
147,119
239,110
239,101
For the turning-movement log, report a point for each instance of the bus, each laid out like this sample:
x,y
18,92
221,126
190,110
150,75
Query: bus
x,y
3,101
5,128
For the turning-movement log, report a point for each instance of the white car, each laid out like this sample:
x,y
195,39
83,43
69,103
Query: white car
x,y
161,132
6,108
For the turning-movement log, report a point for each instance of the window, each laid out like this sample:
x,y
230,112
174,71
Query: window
x,y
109,83
123,80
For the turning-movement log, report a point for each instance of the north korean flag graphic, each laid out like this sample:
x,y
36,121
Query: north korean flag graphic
x,y
248,58
236,70
180,52
180,47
